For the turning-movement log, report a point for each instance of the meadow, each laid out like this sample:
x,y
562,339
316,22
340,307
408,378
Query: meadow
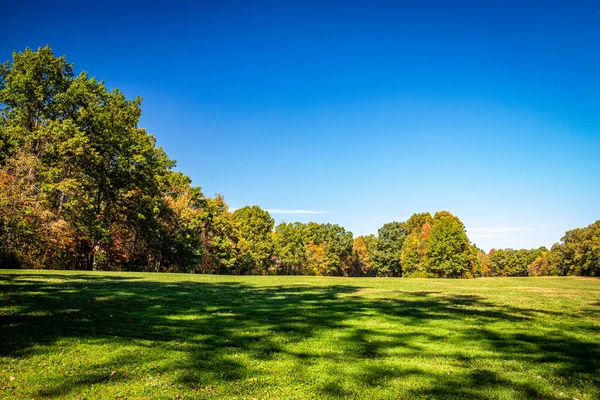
x,y
96,335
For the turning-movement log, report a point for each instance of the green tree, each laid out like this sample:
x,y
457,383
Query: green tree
x,y
219,238
579,251
94,172
447,251
410,257
255,240
416,221
335,241
388,257
417,231
509,262
290,250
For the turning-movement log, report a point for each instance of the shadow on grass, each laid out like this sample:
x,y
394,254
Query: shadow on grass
x,y
209,323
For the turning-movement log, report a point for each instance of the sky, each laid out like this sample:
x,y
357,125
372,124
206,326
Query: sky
x,y
358,112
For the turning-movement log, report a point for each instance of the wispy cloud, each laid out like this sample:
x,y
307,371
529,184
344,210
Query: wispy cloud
x,y
294,211
496,231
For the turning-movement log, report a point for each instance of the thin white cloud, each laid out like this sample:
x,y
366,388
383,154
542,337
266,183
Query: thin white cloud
x,y
294,211
487,235
496,231
499,229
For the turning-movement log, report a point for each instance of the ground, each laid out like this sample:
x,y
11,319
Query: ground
x,y
151,336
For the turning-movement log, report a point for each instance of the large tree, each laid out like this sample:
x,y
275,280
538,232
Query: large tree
x,y
255,240
579,251
418,229
91,171
336,244
290,250
364,251
219,238
447,250
387,258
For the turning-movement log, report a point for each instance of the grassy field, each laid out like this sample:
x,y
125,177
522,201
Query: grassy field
x,y
134,336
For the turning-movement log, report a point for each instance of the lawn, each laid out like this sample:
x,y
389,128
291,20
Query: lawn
x,y
152,336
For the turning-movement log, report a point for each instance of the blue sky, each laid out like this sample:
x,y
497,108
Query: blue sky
x,y
358,112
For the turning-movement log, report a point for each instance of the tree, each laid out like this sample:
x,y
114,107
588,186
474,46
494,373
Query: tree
x,y
509,262
390,239
479,262
418,228
255,241
28,224
416,221
579,251
410,257
93,172
335,241
219,238
543,265
447,251
181,218
317,262
289,246
30,233
364,250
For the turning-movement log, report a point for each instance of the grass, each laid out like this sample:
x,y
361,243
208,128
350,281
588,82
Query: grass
x,y
151,336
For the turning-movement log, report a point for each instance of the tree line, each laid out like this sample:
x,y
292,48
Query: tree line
x,y
82,186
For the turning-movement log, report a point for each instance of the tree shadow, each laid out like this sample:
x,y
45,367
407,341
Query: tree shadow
x,y
209,324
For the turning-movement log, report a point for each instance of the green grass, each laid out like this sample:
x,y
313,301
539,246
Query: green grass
x,y
129,335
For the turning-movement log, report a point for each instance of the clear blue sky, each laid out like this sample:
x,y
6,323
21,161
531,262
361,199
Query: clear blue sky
x,y
362,112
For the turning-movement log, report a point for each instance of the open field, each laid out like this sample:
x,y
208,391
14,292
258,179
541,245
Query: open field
x,y
128,335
